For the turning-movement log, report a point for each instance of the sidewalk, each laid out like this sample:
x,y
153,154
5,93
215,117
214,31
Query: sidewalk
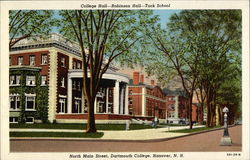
x,y
144,134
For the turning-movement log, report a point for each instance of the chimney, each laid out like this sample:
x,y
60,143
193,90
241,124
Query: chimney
x,y
136,78
152,82
142,78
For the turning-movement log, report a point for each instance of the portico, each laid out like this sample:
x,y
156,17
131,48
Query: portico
x,y
111,99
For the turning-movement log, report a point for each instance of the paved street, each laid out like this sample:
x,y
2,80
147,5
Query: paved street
x,y
208,141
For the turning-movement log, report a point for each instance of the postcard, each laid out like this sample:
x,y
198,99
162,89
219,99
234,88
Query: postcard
x,y
124,80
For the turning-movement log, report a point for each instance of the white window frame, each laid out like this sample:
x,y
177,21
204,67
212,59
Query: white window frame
x,y
63,60
13,119
33,81
15,80
74,64
32,60
62,102
44,58
43,80
78,65
73,84
34,102
77,104
30,122
20,60
16,98
63,82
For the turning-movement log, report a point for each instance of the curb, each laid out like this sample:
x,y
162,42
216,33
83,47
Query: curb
x,y
112,140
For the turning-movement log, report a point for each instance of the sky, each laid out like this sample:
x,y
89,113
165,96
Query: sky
x,y
164,16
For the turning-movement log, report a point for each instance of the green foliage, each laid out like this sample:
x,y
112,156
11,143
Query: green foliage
x,y
26,23
41,101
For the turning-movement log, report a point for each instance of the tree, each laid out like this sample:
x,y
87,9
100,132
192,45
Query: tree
x,y
200,45
103,36
25,23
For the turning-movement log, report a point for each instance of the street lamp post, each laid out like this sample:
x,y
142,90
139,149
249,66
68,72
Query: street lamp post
x,y
225,140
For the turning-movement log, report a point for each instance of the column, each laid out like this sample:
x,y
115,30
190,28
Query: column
x,y
126,100
121,100
107,99
52,76
116,97
95,105
69,97
83,101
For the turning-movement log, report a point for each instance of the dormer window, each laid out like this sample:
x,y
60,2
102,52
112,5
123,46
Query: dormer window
x,y
20,60
32,60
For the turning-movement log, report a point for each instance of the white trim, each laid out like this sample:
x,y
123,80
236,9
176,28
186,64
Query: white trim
x,y
34,102
77,73
62,96
77,98
13,121
32,120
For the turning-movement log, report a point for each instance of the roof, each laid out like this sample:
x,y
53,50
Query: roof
x,y
51,40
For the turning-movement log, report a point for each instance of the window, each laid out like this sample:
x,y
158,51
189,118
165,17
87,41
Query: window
x,y
74,64
15,80
15,102
130,101
73,84
130,92
78,65
30,80
29,119
30,102
44,59
62,105
62,82
20,60
13,119
78,85
63,61
32,60
43,80
77,105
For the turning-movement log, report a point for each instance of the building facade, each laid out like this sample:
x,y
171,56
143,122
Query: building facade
x,y
53,66
146,101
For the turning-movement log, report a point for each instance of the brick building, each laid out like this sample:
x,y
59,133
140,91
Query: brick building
x,y
53,65
146,101
177,104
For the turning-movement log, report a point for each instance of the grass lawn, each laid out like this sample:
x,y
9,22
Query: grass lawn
x,y
193,130
57,134
80,126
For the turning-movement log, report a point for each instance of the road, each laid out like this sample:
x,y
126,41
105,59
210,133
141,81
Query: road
x,y
209,141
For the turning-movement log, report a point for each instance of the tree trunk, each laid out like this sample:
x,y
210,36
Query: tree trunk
x,y
91,128
190,111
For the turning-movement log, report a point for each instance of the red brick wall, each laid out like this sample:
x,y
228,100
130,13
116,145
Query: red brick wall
x,y
62,72
26,61
154,107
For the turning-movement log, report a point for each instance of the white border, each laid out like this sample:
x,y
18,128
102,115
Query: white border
x,y
8,5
